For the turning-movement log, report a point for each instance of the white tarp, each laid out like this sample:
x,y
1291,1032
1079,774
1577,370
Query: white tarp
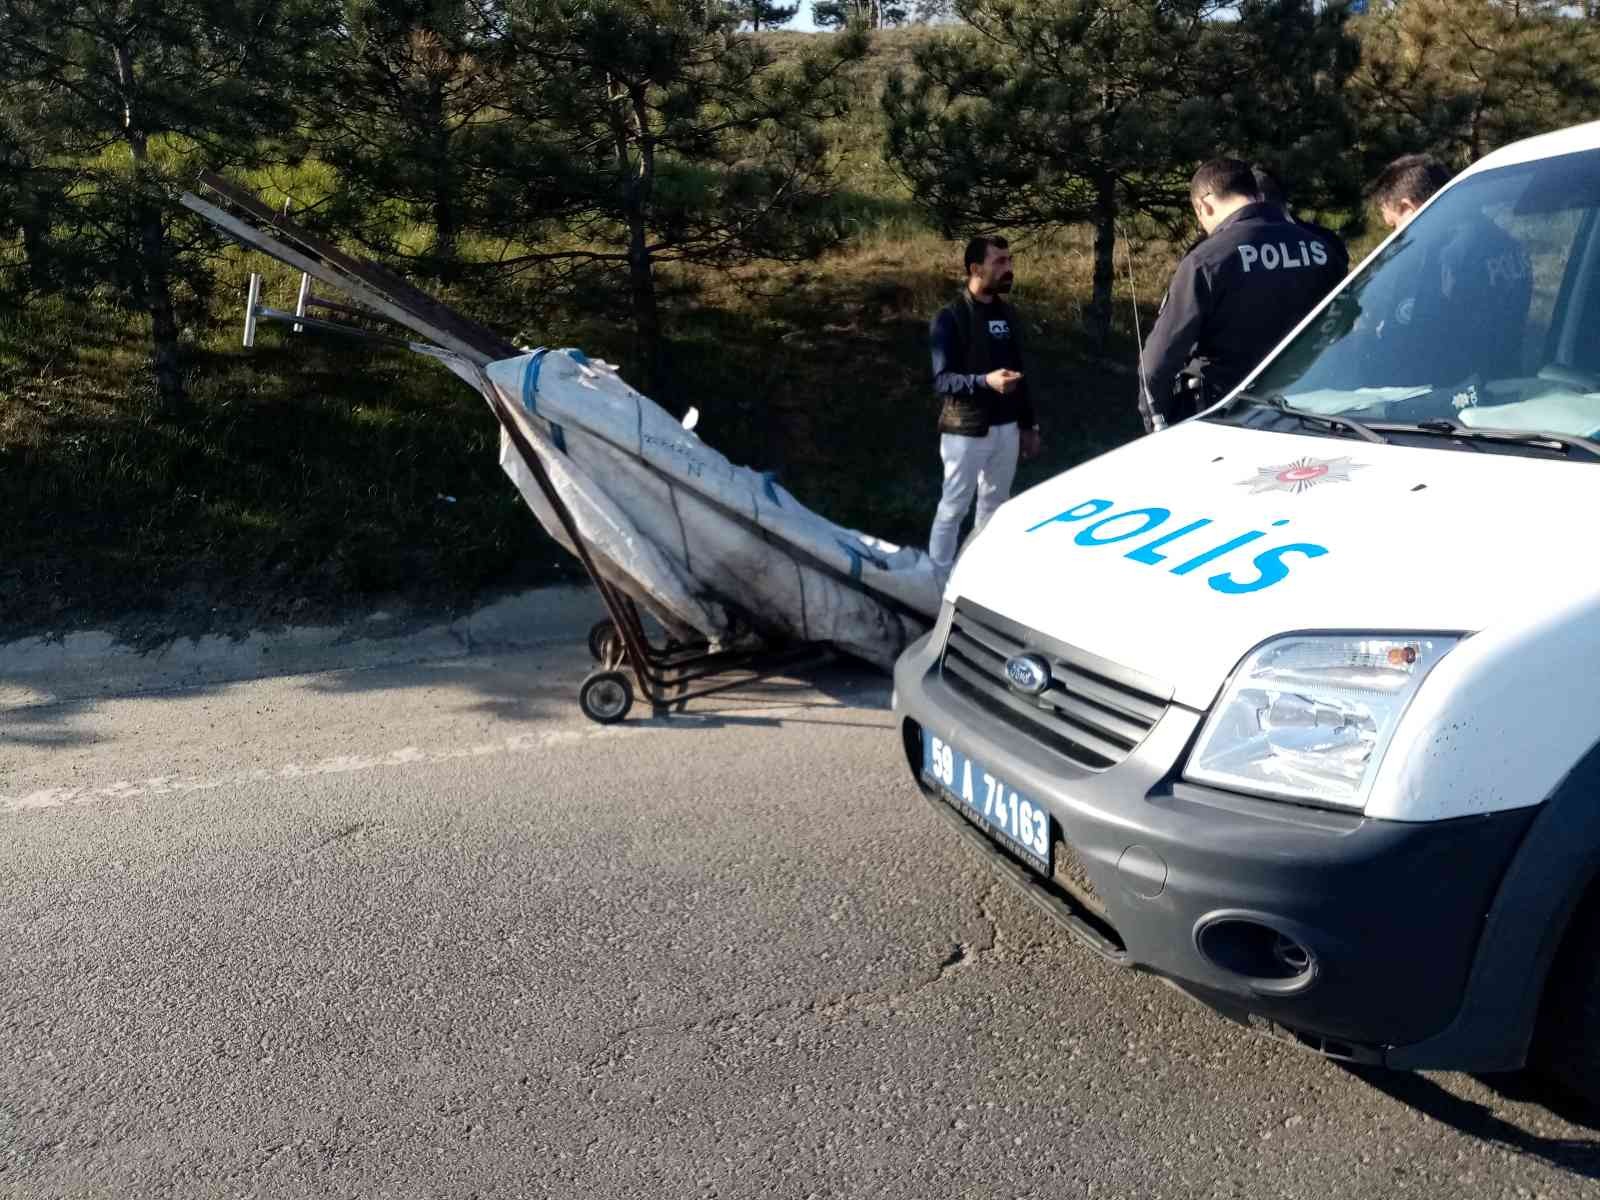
x,y
704,545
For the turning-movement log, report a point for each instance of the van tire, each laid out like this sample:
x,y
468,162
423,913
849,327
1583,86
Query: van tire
x,y
1566,1048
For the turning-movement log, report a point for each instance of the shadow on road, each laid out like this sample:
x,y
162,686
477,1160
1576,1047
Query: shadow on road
x,y
504,689
44,726
1528,1087
1577,1155
520,687
815,690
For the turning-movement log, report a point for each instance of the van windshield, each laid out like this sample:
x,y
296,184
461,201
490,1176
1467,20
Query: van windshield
x,y
1479,322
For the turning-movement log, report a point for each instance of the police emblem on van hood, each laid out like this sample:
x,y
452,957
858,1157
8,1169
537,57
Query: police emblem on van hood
x,y
1301,474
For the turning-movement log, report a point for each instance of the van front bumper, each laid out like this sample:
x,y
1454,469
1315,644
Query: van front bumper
x,y
1354,936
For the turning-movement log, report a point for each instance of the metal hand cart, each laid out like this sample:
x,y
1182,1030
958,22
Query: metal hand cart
x,y
629,663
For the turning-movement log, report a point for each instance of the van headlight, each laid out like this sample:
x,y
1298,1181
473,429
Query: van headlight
x,y
1309,717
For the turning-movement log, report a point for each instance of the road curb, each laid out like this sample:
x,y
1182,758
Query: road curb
x,y
78,666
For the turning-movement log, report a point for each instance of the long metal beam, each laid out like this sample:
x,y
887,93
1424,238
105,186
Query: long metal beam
x,y
355,288
374,275
301,319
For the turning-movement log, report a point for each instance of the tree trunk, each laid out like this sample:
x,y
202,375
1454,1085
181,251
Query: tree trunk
x,y
642,295
158,300
444,233
446,218
1105,244
155,284
35,222
639,177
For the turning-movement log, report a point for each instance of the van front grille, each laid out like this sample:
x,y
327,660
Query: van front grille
x,y
1093,712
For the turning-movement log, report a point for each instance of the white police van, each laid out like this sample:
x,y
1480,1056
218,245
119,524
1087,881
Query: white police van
x,y
1297,703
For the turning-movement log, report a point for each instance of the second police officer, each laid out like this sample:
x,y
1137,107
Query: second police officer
x,y
1234,296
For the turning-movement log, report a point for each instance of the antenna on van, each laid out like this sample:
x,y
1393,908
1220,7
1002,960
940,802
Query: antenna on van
x,y
1138,334
1127,252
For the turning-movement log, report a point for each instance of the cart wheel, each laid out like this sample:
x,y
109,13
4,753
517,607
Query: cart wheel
x,y
603,638
612,653
606,697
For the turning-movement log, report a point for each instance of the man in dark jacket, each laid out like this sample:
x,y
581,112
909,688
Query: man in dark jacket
x,y
987,418
1462,306
1233,297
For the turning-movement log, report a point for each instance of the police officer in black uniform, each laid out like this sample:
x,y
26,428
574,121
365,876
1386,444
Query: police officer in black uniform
x,y
1233,297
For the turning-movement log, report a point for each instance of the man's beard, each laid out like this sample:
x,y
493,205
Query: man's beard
x,y
1003,284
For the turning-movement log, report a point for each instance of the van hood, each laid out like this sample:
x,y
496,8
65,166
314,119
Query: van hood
x,y
1178,553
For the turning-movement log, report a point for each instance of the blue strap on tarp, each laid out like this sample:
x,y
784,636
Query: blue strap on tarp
x,y
860,554
530,380
769,485
855,559
530,392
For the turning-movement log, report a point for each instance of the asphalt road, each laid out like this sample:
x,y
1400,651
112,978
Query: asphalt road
x,y
425,932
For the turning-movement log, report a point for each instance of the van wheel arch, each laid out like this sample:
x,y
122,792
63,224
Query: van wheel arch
x,y
1566,1042
1531,927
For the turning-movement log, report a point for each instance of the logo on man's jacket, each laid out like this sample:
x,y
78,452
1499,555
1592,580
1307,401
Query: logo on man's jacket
x,y
1000,328
1283,256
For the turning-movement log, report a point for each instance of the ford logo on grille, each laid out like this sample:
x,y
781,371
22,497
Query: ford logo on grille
x,y
1028,673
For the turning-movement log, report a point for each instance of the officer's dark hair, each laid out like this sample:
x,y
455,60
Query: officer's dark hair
x,y
1412,177
978,250
1224,178
1268,187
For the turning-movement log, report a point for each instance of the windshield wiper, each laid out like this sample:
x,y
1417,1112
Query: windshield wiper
x,y
1275,400
1510,437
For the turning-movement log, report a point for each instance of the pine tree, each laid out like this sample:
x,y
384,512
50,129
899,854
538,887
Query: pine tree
x,y
870,14
125,101
1461,77
933,12
765,14
1052,112
664,135
410,115
22,181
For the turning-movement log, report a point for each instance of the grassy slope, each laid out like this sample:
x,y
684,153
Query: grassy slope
x,y
311,477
